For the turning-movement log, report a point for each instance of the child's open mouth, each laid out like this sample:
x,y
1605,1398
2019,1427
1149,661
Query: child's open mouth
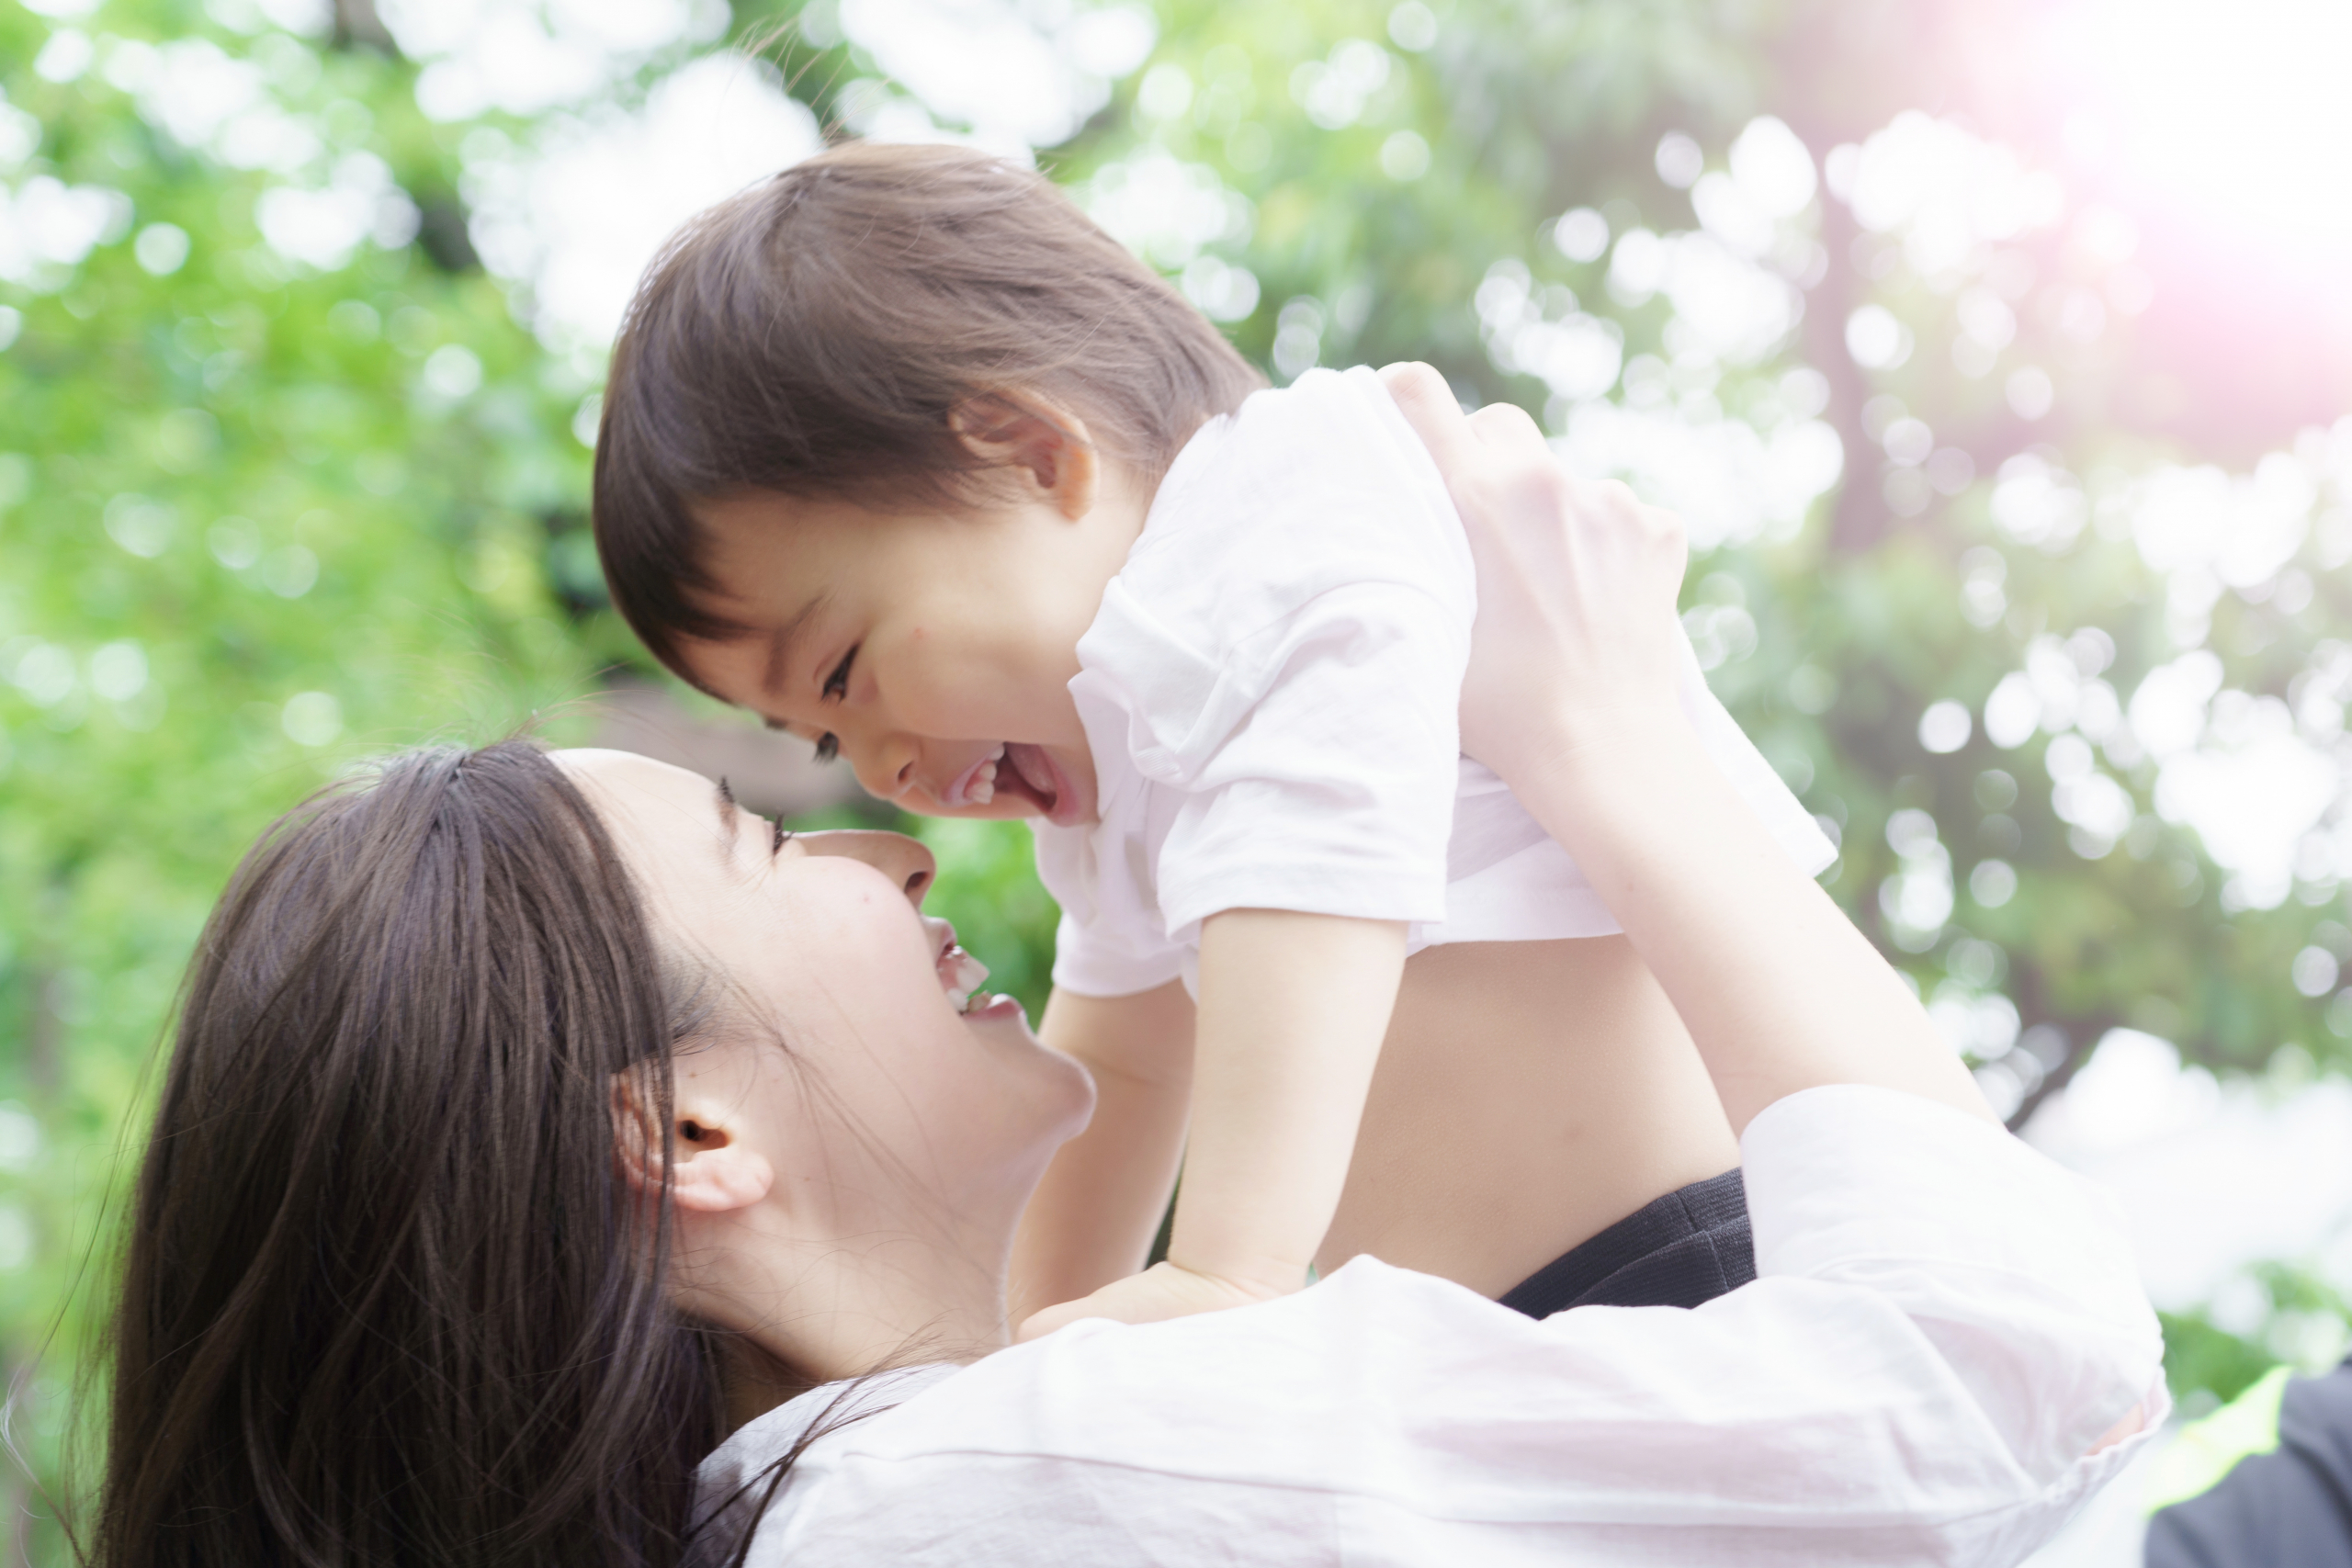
x,y
1014,770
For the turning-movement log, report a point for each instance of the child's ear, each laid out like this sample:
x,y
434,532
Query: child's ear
x,y
1048,444
712,1170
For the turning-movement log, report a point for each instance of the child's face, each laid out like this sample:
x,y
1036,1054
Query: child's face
x,y
933,651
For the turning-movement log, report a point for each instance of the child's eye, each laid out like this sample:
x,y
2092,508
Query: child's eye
x,y
837,683
828,747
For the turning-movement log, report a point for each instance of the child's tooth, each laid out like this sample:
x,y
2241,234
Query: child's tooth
x,y
976,786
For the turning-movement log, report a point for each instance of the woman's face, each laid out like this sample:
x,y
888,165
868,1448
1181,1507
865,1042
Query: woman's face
x,y
883,1089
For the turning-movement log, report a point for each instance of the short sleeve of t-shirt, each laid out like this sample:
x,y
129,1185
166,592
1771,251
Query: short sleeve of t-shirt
x,y
1111,940
1104,959
1286,644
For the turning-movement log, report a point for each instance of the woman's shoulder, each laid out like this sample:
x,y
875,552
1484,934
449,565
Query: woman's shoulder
x,y
745,1482
1173,1397
1075,1447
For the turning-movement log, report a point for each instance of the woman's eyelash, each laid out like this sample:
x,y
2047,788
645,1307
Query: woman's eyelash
x,y
837,683
782,833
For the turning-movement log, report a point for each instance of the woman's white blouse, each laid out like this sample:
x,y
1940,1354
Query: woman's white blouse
x,y
1944,1325
1270,692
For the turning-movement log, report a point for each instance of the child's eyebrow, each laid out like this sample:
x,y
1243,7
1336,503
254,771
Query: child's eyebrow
x,y
780,642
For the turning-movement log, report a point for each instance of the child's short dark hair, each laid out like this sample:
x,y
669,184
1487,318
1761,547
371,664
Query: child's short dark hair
x,y
811,336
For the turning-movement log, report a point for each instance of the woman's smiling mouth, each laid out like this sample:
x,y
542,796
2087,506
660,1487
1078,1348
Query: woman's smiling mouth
x,y
960,974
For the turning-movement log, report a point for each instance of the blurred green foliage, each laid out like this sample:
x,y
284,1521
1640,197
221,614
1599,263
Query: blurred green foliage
x,y
2208,1366
262,517
261,520
2300,1316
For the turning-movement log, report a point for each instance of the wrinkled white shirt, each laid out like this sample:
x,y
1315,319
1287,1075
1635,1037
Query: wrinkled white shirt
x,y
1270,692
1943,1324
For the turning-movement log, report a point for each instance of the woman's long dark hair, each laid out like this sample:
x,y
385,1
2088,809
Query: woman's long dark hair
x,y
386,1301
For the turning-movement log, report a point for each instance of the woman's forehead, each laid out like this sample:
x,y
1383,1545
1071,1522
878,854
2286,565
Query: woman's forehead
x,y
676,828
639,784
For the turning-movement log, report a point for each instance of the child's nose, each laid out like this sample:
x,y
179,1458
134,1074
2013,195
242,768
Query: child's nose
x,y
886,768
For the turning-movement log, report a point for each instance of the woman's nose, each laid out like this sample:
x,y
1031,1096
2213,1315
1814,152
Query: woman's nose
x,y
903,860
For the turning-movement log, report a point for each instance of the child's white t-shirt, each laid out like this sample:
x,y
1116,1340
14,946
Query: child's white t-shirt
x,y
1269,694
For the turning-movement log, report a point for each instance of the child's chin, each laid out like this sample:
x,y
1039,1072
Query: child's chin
x,y
1003,809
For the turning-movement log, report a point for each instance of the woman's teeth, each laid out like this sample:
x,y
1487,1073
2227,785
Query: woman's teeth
x,y
963,975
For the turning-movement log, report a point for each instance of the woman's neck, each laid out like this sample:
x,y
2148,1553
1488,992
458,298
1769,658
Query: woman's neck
x,y
812,1313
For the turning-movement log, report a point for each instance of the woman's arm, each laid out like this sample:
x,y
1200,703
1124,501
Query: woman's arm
x,y
1570,696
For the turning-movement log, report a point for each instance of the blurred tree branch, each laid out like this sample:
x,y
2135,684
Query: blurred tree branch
x,y
358,26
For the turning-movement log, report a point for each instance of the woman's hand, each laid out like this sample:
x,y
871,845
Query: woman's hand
x,y
1571,697
1576,641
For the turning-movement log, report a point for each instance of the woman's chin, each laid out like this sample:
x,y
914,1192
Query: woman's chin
x,y
1001,1021
996,1009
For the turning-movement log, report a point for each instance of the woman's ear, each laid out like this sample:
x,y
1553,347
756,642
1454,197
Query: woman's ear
x,y
1008,430
712,1170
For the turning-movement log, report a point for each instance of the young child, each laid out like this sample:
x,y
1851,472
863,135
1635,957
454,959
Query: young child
x,y
902,453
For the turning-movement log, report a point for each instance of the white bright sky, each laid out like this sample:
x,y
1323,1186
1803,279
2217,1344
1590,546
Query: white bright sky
x,y
583,211
2233,110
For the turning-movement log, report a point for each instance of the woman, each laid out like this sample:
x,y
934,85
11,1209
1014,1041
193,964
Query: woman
x,y
535,1123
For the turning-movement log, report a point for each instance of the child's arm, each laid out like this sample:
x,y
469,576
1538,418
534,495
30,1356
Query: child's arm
x,y
1293,1009
1093,1216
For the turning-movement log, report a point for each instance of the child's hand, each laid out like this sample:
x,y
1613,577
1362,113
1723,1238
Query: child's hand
x,y
1575,641
1162,1291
